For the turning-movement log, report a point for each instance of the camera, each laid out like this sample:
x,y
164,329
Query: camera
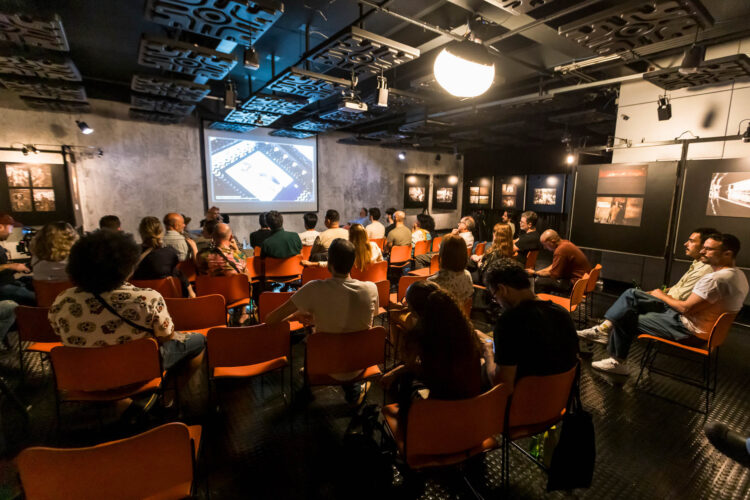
x,y
23,245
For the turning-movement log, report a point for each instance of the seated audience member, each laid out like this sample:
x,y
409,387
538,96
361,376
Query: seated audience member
x,y
363,220
175,237
400,234
206,239
453,276
442,355
465,230
223,257
339,304
732,444
366,252
679,291
281,244
389,220
7,319
569,264
324,239
214,213
308,236
111,222
375,230
103,309
158,261
50,248
10,287
532,336
507,218
502,246
258,237
722,290
528,240
422,228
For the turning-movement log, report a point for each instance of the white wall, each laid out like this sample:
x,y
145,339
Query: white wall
x,y
706,112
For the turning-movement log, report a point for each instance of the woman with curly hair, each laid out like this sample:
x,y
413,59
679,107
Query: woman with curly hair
x,y
366,252
158,261
502,246
50,249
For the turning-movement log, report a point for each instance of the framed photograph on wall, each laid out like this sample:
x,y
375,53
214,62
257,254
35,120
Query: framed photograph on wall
x,y
509,193
416,188
480,192
545,193
34,193
445,191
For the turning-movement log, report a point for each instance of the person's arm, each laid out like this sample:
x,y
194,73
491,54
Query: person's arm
x,y
15,266
162,322
281,313
693,304
193,249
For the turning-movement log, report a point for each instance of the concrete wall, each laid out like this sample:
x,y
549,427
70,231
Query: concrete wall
x,y
151,169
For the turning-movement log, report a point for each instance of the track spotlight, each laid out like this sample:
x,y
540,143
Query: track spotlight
x,y
251,59
382,101
402,155
746,135
693,58
664,108
85,129
465,69
100,153
437,157
570,159
230,95
25,150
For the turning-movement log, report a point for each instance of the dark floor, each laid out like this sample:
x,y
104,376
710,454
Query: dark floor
x,y
260,447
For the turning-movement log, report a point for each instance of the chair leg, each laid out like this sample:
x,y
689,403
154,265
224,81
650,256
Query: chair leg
x,y
20,362
644,358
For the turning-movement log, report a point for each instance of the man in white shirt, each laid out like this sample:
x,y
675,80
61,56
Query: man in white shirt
x,y
723,290
174,237
375,229
308,237
465,230
324,239
339,304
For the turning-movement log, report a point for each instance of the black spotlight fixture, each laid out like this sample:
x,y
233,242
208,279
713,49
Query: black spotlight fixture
x,y
437,157
25,150
85,129
230,95
251,60
664,109
746,135
693,58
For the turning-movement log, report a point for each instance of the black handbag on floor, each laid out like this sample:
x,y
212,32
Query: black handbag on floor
x,y
575,455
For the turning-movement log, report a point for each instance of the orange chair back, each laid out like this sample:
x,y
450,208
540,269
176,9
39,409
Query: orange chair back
x,y
380,242
540,400
315,273
467,305
434,264
187,267
531,259
403,284
421,248
436,243
400,253
283,268
105,368
47,291
167,287
373,272
254,268
247,345
384,292
155,464
256,251
719,332
306,250
200,313
579,288
269,301
234,287
343,352
33,325
479,249
439,427
593,278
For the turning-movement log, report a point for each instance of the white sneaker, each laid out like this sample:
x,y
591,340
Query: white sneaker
x,y
594,334
610,365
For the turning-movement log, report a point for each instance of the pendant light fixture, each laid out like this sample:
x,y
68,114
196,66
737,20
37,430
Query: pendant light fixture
x,y
465,69
693,58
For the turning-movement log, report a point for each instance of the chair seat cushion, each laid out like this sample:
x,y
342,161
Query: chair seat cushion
x,y
113,394
249,370
564,302
697,349
42,346
325,379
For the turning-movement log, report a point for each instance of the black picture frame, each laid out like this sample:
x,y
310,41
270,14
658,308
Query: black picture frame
x,y
545,193
445,186
480,192
413,185
504,199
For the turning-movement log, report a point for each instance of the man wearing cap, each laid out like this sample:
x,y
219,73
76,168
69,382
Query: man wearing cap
x,y
10,288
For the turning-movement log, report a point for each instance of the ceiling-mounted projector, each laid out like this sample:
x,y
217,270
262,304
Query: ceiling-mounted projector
x,y
350,105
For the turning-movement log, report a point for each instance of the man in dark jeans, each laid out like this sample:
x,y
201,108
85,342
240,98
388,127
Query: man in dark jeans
x,y
10,288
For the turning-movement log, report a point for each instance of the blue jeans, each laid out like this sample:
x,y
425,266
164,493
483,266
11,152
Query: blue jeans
x,y
7,317
635,312
174,351
18,293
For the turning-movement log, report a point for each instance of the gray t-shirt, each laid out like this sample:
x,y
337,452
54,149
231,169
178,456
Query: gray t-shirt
x,y
399,236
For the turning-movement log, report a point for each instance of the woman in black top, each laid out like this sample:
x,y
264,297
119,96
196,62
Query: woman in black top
x,y
157,261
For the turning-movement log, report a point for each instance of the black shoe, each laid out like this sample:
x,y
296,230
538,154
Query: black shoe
x,y
728,442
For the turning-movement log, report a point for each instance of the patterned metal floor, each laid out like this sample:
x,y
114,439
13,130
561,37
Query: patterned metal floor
x,y
259,446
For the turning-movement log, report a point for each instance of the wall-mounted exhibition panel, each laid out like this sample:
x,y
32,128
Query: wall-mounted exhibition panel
x,y
509,192
545,193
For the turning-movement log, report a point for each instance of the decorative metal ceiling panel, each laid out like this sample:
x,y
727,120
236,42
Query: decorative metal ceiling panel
x,y
362,52
231,127
297,134
161,104
396,99
252,117
183,90
585,117
389,135
313,86
637,23
155,116
39,66
344,116
282,105
45,89
711,72
424,127
56,105
314,125
22,29
181,57
240,22
520,6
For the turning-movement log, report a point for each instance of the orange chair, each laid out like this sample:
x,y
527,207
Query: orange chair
x,y
34,327
531,259
104,374
403,283
436,243
167,287
306,250
384,295
428,271
256,251
589,292
421,247
282,270
234,288
576,295
249,351
159,463
400,257
187,267
47,291
254,268
439,433
199,314
315,273
380,242
707,352
479,248
270,301
373,272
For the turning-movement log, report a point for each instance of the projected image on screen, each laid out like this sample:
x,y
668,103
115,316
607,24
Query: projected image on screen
x,y
729,194
623,181
618,210
545,196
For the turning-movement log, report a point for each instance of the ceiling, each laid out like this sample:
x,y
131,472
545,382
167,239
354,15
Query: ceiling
x,y
538,95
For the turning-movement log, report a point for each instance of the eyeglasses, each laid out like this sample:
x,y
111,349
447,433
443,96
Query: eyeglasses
x,y
711,249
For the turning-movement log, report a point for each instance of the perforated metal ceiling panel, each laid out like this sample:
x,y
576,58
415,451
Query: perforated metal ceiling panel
x,y
23,29
345,116
282,105
180,57
723,69
313,86
314,125
231,127
297,134
52,67
161,104
251,117
56,105
183,90
45,89
520,6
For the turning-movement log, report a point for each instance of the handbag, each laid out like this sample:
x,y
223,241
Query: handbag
x,y
575,455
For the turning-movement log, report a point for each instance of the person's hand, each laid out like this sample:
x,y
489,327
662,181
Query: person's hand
x,y
454,231
307,263
387,379
476,258
530,272
19,268
305,318
657,293
486,341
